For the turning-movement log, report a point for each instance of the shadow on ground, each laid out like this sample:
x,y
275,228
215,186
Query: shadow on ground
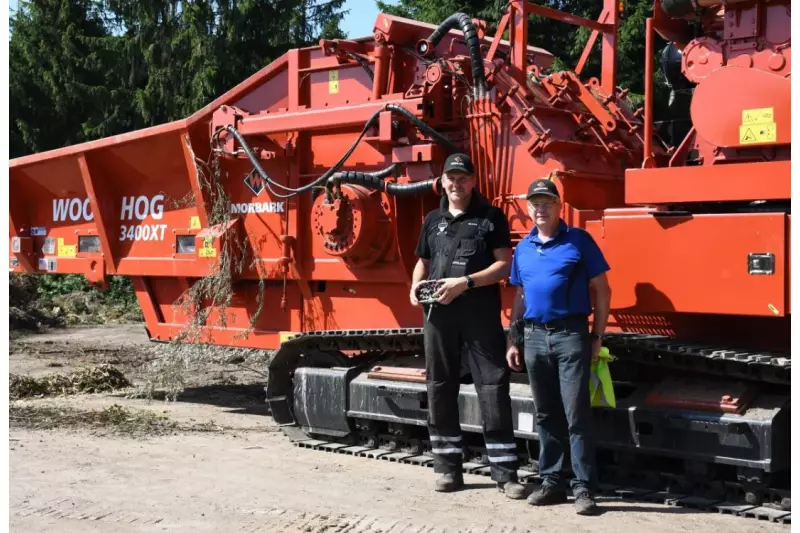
x,y
235,398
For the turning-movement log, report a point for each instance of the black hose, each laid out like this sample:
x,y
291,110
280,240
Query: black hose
x,y
678,8
411,189
464,22
441,139
323,179
364,64
316,183
375,180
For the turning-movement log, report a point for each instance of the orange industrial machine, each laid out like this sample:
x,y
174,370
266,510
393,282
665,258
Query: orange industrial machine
x,y
304,189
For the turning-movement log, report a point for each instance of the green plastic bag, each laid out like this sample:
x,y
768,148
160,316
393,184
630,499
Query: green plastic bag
x,y
601,389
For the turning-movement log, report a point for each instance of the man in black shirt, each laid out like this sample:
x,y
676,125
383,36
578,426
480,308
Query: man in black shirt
x,y
466,244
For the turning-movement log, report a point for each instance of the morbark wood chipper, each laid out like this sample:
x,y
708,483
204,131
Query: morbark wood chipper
x,y
305,186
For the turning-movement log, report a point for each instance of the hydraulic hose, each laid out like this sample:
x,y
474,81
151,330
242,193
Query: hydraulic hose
x,y
324,178
373,180
411,189
316,183
464,22
438,137
376,180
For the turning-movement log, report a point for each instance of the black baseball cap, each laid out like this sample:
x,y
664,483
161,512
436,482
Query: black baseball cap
x,y
459,162
545,187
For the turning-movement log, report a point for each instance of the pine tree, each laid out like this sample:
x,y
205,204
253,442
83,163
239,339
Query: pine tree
x,y
58,75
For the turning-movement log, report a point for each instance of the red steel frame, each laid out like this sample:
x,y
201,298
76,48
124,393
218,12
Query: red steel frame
x,y
301,117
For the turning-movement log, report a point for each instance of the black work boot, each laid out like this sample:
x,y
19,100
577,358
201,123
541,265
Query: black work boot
x,y
449,482
584,503
512,489
547,495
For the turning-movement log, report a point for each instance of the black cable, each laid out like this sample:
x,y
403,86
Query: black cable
x,y
464,22
316,183
364,64
438,137
376,180
323,179
373,180
410,189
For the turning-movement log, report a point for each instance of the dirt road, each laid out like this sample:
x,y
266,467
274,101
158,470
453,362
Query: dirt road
x,y
227,468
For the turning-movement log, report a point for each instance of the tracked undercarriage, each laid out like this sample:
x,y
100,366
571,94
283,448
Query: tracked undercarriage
x,y
669,439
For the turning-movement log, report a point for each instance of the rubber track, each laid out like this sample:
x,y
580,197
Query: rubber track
x,y
648,349
673,499
659,350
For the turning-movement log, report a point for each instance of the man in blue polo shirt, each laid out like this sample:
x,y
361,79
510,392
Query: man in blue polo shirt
x,y
555,268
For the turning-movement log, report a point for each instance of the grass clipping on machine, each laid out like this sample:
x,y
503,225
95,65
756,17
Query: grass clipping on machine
x,y
192,347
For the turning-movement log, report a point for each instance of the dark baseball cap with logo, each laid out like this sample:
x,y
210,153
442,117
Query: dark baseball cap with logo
x,y
459,163
543,187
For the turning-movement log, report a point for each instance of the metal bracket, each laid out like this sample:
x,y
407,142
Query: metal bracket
x,y
761,264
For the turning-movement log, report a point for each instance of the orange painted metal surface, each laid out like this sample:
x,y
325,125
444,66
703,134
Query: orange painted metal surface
x,y
341,257
770,180
660,266
758,112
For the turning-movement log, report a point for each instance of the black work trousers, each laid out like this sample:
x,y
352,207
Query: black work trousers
x,y
467,327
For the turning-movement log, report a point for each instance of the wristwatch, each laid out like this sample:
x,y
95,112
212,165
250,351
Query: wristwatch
x,y
595,336
470,282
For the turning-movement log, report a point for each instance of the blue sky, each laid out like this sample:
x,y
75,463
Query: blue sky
x,y
357,23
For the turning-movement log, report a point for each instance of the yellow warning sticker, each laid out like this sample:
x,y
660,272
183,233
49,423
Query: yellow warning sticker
x,y
333,81
194,223
285,335
208,249
758,126
764,115
758,133
65,250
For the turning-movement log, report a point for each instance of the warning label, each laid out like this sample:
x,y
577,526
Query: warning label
x,y
333,81
194,223
758,126
65,250
758,116
208,249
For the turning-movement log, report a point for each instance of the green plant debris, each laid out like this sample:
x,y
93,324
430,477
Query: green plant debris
x,y
114,420
213,292
101,378
38,302
170,370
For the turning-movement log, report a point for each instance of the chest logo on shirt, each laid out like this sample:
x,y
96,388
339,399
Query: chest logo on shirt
x,y
442,226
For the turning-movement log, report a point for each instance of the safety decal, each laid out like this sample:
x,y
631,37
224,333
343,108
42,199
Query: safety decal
x,y
49,246
333,81
525,422
208,249
14,262
38,232
48,265
758,126
66,250
194,223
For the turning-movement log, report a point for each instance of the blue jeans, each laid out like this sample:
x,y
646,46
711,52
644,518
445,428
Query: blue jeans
x,y
558,364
